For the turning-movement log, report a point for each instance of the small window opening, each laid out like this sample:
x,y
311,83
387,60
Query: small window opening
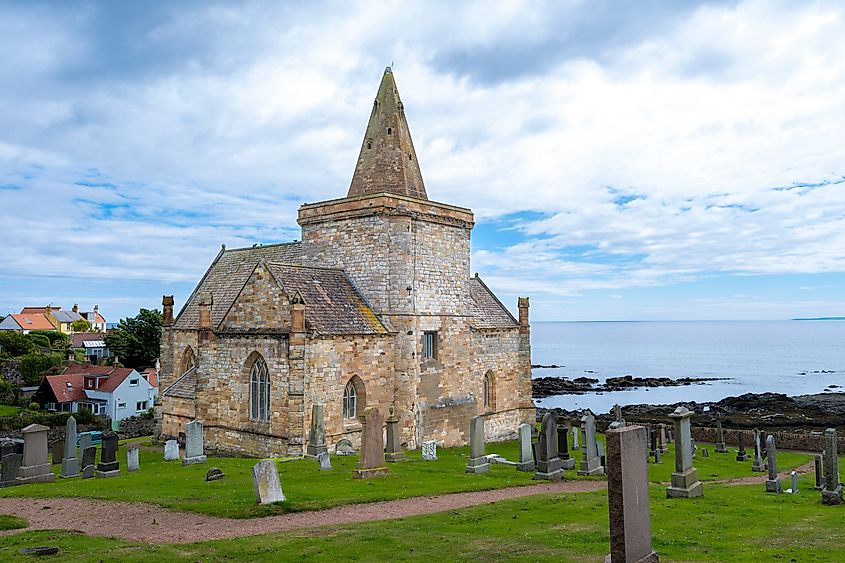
x,y
430,345
389,131
350,401
369,144
410,156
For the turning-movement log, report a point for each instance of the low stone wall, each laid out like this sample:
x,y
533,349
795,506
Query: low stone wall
x,y
56,432
809,441
446,422
133,428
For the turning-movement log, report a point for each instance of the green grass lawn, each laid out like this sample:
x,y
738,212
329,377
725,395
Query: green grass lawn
x,y
170,485
730,523
9,410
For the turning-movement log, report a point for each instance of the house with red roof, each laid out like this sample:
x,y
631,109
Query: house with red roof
x,y
114,392
26,322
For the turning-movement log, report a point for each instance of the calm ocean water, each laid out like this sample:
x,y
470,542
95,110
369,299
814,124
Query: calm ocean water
x,y
759,356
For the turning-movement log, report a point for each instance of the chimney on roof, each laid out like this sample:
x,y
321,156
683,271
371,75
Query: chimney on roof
x,y
205,302
96,309
167,310
75,308
522,303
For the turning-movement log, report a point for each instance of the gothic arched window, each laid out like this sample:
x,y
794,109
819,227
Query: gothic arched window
x,y
259,391
189,360
489,391
350,401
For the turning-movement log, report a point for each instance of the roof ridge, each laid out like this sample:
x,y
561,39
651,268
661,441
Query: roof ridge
x,y
502,305
262,246
179,379
274,263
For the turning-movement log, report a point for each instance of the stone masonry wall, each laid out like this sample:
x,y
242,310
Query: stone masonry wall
x,y
261,305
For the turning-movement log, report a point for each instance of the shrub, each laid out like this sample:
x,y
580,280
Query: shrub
x,y
34,366
15,343
57,339
39,340
34,406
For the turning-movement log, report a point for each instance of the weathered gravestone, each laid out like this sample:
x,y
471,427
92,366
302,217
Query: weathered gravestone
x,y
652,434
477,460
89,456
627,496
57,450
705,452
720,446
265,482
194,444
657,454
429,450
526,454
108,466
214,474
394,444
684,482
133,463
371,462
670,437
832,490
324,461
35,467
757,464
10,464
741,454
575,433
548,463
662,438
70,463
590,460
10,446
773,482
600,450
85,441
344,447
817,465
171,450
617,413
566,460
793,483
317,435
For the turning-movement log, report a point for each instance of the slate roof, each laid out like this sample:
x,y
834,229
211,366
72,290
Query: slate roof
x,y
486,309
66,316
332,304
78,339
185,387
226,277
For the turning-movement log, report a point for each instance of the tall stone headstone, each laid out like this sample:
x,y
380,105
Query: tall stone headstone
x,y
317,435
371,462
652,434
684,481
35,467
70,463
832,489
720,446
590,460
85,441
89,457
793,483
575,433
548,462
627,496
477,460
773,482
429,450
10,465
817,465
194,444
670,437
566,460
133,462
741,454
171,450
58,451
108,466
265,482
757,464
394,442
526,455
663,439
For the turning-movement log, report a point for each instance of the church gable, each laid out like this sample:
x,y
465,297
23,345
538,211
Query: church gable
x,y
261,305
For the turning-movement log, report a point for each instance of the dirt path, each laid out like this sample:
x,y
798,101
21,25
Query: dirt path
x,y
153,524
760,478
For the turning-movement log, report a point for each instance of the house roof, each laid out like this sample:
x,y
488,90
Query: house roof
x,y
486,309
152,376
66,316
387,161
42,310
185,387
93,317
226,277
332,304
65,393
88,369
33,321
115,378
78,339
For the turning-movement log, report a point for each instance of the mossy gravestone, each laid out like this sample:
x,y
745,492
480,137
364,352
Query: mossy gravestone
x,y
36,460
371,463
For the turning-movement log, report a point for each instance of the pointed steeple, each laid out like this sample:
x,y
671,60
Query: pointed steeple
x,y
387,162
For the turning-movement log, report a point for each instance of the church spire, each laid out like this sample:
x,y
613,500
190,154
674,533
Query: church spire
x,y
387,162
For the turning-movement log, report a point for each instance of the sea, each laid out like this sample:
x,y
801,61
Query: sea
x,y
794,357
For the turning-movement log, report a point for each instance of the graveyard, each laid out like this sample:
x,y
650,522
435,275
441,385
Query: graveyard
x,y
733,520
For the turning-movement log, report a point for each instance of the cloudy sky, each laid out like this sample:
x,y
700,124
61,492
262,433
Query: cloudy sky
x,y
625,160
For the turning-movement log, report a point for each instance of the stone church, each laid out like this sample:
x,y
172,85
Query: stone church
x,y
375,306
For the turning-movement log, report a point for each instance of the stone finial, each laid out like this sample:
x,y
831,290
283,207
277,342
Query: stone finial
x,y
167,310
205,302
522,305
681,412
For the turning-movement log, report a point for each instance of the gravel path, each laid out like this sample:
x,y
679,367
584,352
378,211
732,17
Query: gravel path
x,y
122,519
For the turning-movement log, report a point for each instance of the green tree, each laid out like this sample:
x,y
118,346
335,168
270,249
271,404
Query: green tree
x,y
35,366
57,339
15,343
136,340
80,325
39,340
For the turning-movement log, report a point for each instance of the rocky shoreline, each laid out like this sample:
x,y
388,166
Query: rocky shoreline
x,y
769,411
548,386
